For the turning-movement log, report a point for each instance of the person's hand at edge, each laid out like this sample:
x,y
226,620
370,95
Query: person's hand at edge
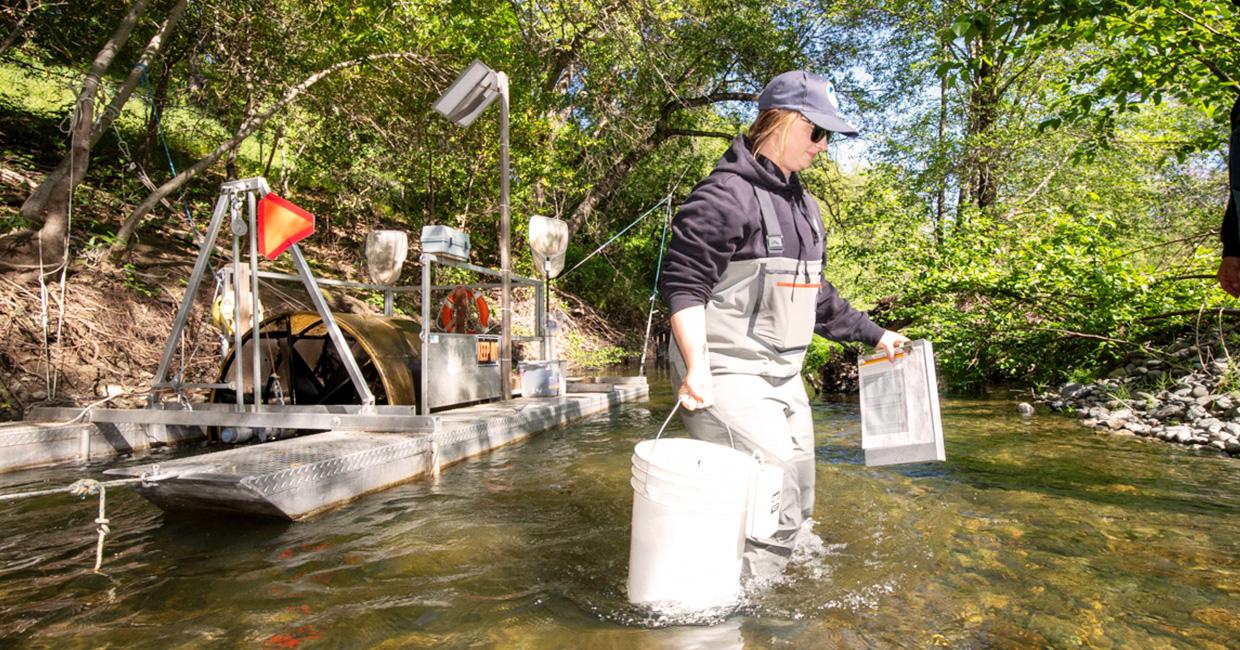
x,y
1229,275
892,341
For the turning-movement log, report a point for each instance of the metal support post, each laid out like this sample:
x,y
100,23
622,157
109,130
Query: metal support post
x,y
540,319
238,231
191,290
505,346
256,367
228,205
424,402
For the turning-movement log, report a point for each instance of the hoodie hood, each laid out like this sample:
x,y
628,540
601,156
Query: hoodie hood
x,y
756,169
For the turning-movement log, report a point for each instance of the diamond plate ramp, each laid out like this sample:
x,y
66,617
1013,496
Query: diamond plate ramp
x,y
290,479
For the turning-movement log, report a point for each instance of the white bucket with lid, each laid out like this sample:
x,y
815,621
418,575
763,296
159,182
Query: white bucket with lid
x,y
690,505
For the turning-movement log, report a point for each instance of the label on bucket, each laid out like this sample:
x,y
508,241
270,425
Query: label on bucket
x,y
765,498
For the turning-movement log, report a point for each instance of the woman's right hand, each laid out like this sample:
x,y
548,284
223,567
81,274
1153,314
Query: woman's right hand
x,y
697,391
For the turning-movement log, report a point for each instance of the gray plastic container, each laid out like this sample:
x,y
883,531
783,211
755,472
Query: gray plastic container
x,y
445,241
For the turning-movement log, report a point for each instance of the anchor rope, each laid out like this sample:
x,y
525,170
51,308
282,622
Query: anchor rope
x,y
51,375
83,488
69,489
607,243
654,290
152,112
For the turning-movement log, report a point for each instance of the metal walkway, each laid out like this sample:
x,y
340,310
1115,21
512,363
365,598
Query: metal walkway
x,y
298,477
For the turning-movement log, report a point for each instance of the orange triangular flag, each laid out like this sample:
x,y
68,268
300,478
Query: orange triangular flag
x,y
280,225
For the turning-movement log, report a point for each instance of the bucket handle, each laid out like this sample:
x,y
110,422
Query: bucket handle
x,y
727,428
731,441
646,475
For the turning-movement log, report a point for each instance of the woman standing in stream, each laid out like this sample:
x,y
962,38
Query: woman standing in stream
x,y
743,278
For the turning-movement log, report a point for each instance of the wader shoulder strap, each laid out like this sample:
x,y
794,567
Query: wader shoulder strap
x,y
815,223
770,223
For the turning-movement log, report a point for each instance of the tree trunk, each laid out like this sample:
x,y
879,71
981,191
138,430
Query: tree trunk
x,y
610,181
983,105
18,28
49,202
977,184
125,232
940,199
271,154
230,164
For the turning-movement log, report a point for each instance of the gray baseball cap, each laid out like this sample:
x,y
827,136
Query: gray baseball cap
x,y
808,94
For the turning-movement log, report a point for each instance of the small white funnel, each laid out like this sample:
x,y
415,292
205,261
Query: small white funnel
x,y
551,266
549,241
548,236
385,255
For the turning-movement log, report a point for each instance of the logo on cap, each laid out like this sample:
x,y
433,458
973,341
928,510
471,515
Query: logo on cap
x,y
831,96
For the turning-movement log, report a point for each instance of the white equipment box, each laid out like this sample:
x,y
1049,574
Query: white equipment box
x,y
449,242
900,420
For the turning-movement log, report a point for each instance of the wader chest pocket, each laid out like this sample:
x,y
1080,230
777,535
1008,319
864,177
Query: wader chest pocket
x,y
784,317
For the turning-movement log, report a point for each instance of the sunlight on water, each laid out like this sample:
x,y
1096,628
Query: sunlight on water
x,y
1035,533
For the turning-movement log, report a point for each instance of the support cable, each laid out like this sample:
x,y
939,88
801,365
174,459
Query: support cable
x,y
654,291
51,375
607,243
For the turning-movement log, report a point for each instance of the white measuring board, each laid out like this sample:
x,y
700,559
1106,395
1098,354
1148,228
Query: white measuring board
x,y
900,420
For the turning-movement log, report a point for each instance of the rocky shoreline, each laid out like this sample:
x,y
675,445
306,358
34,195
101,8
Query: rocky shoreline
x,y
1183,399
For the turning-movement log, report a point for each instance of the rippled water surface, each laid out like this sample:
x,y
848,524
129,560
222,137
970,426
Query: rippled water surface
x,y
1035,533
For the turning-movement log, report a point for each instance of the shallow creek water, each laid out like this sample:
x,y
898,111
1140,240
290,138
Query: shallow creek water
x,y
1035,533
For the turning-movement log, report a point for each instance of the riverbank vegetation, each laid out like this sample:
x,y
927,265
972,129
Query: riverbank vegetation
x,y
1037,190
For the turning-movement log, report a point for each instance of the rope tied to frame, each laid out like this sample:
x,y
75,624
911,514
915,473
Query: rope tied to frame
x,y
654,290
84,488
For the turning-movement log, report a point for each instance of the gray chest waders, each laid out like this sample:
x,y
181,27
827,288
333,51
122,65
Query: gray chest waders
x,y
760,316
759,322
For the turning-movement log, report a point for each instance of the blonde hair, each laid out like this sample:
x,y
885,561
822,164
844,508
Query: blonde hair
x,y
771,123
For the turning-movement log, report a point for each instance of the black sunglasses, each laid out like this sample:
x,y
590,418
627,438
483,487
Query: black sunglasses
x,y
818,134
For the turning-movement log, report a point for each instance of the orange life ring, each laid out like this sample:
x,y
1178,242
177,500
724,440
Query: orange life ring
x,y
454,315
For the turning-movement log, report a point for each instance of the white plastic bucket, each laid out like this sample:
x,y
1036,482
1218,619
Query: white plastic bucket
x,y
690,500
542,378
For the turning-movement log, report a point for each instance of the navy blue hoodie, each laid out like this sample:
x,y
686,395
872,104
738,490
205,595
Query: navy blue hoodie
x,y
720,221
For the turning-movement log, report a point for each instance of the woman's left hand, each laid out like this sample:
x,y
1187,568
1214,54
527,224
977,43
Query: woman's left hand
x,y
890,342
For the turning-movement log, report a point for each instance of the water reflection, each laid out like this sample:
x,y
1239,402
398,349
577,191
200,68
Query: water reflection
x,y
1035,533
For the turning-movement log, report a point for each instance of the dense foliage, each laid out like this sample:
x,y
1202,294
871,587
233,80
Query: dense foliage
x,y
1038,188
